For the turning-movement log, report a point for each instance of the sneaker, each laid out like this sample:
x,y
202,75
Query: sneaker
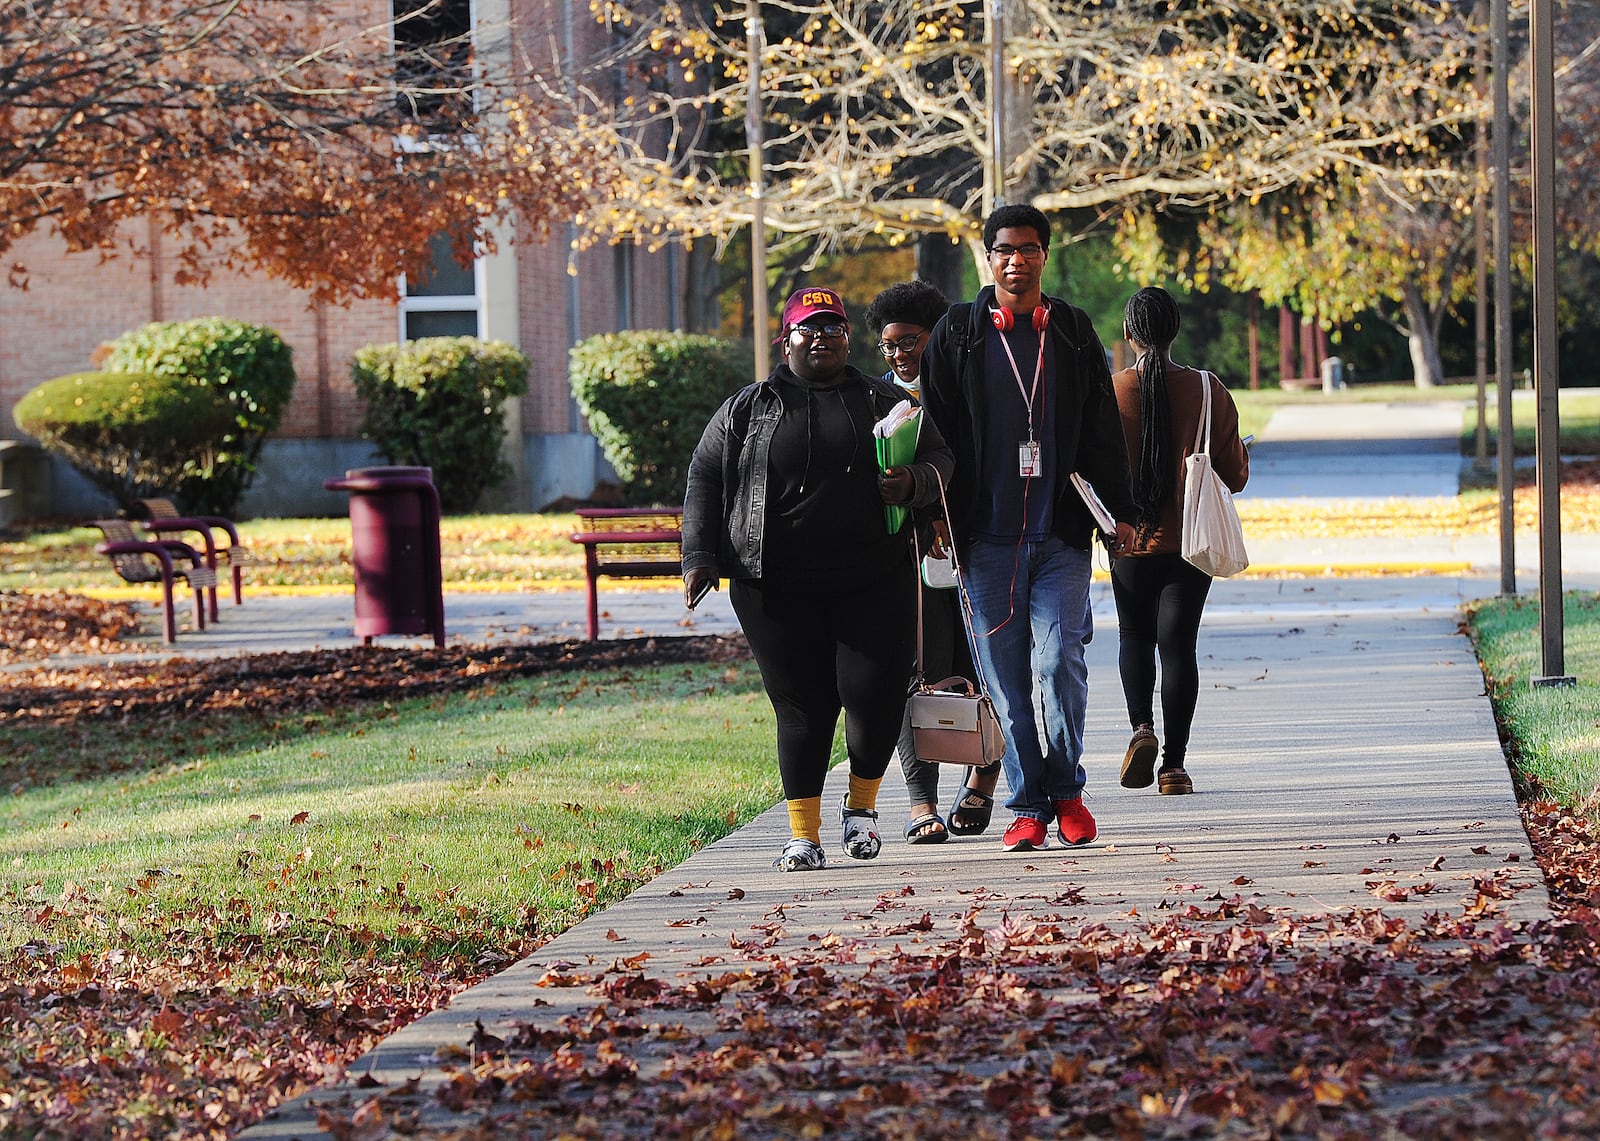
x,y
1139,762
801,855
860,832
1175,782
1073,823
1024,834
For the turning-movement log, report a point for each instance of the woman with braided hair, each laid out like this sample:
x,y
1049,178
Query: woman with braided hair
x,y
1159,596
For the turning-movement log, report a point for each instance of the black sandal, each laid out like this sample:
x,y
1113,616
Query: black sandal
x,y
915,835
975,808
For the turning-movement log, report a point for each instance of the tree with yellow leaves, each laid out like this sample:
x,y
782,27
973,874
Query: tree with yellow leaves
x,y
279,137
878,115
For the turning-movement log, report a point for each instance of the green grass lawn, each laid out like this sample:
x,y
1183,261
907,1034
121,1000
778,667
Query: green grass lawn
x,y
1554,732
453,824
1579,414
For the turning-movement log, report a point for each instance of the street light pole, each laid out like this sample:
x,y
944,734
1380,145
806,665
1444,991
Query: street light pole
x,y
1505,432
1546,365
755,40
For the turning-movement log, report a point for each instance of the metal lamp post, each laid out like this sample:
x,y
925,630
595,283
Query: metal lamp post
x,y
1546,365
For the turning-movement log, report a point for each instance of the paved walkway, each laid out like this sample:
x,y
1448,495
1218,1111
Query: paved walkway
x,y
1320,452
1343,752
1343,745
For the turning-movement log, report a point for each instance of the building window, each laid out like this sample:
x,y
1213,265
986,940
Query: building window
x,y
445,303
433,62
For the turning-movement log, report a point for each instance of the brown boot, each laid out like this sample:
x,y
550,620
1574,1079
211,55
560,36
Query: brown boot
x,y
1139,762
1174,782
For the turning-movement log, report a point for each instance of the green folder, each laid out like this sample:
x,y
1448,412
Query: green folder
x,y
898,450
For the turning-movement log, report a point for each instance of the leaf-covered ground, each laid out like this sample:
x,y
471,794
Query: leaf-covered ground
x,y
1471,513
1222,1020
35,626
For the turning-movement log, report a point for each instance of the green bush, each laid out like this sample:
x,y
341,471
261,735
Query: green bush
x,y
133,435
648,395
247,365
436,403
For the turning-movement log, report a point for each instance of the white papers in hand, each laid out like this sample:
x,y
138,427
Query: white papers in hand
x,y
1103,518
901,414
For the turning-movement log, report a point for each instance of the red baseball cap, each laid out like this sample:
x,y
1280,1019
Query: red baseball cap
x,y
808,302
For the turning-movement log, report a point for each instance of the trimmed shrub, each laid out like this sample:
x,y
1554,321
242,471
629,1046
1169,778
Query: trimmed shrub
x,y
248,366
131,434
436,403
648,395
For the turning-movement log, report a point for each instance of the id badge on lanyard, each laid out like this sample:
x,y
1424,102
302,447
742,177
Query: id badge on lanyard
x,y
1030,464
1028,460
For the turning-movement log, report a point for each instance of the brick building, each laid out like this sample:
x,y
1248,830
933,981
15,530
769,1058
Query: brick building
x,y
523,294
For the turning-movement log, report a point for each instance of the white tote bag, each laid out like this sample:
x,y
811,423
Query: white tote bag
x,y
1213,540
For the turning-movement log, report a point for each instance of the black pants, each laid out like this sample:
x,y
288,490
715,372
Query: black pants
x,y
1159,602
822,647
945,653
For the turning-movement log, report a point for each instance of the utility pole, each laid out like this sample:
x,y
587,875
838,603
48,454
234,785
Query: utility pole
x,y
1546,365
755,48
997,102
1480,255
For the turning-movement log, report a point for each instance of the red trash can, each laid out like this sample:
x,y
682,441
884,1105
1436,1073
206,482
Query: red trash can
x,y
394,524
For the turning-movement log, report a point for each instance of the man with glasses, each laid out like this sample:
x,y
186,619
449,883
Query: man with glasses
x,y
784,498
1019,387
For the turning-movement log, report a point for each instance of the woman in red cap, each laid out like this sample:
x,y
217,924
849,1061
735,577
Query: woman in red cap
x,y
785,500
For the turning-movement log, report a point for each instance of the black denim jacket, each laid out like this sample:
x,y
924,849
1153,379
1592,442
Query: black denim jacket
x,y
725,503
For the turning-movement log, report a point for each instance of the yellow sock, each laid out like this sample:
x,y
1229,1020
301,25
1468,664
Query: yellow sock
x,y
805,818
863,793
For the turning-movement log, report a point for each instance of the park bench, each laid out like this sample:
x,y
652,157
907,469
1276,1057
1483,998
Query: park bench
x,y
142,561
627,542
162,517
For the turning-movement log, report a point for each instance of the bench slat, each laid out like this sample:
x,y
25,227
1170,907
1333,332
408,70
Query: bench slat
x,y
622,542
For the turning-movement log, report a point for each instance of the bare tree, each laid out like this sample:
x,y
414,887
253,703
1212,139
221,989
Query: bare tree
x,y
878,118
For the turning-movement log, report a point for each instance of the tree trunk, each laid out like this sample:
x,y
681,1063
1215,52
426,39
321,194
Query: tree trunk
x,y
940,262
1288,329
702,290
1253,320
1422,336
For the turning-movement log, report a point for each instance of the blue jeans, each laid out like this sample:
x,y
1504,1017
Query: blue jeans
x,y
1037,594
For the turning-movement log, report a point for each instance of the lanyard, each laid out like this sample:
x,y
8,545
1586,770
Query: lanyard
x,y
1038,371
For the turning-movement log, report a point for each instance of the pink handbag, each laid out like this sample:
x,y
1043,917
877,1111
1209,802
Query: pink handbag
x,y
953,721
955,724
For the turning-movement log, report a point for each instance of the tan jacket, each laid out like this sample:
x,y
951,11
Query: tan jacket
x,y
1228,454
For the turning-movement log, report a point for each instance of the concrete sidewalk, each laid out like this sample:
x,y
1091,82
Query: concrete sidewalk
x,y
1344,755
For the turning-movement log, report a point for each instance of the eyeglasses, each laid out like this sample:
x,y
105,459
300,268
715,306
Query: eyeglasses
x,y
814,332
904,344
1030,252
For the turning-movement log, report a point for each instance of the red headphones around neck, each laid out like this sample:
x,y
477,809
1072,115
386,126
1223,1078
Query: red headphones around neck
x,y
1005,320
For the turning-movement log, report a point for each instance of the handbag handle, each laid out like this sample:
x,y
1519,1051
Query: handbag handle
x,y
961,587
1202,431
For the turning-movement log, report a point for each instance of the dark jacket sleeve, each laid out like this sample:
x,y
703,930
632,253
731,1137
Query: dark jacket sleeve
x,y
945,404
934,463
1230,459
704,506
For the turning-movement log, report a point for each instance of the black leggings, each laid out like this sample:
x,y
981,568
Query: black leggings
x,y
1159,602
822,647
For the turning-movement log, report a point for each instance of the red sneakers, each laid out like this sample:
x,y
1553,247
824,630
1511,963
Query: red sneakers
x,y
1026,834
1073,823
